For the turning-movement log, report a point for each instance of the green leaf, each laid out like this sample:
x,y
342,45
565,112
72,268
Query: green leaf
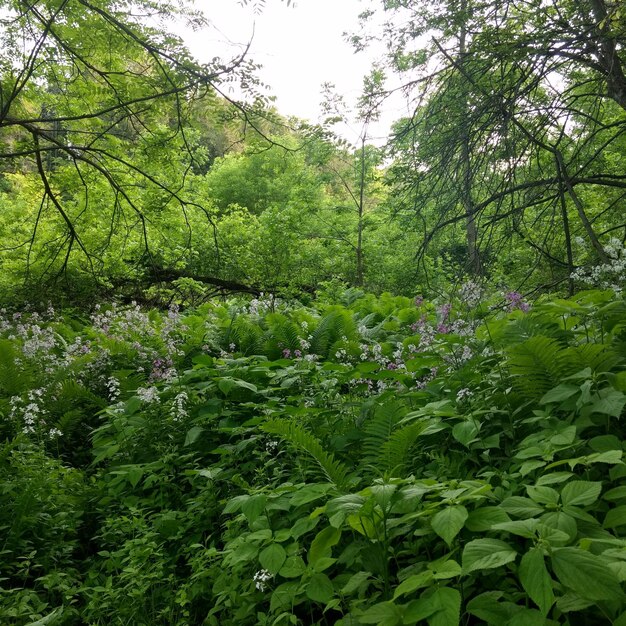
x,y
323,563
356,580
487,608
293,567
612,403
412,583
303,526
234,504
253,506
543,495
580,493
227,384
553,477
320,588
570,602
613,495
418,610
521,507
322,544
610,457
486,554
522,528
483,518
272,558
603,443
560,393
449,522
564,437
615,517
284,595
134,475
47,619
586,574
558,520
535,579
529,466
447,603
445,568
309,493
192,435
620,621
465,432
383,613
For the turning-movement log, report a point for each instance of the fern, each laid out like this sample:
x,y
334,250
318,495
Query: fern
x,y
538,364
396,449
246,335
333,326
335,471
524,328
597,357
377,430
282,333
386,445
13,379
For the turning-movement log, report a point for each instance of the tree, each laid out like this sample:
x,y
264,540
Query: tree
x,y
543,83
96,100
357,179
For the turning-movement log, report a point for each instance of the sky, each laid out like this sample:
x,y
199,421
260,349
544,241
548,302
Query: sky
x,y
300,48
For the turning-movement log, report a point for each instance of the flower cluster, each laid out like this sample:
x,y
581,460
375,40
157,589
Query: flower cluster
x,y
113,388
471,293
149,395
464,394
262,305
261,578
515,301
32,414
609,275
179,407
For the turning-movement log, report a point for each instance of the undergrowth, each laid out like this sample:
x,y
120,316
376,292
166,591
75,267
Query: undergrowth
x,y
381,461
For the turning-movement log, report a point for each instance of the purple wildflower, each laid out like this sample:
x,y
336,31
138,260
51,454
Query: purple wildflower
x,y
515,300
444,311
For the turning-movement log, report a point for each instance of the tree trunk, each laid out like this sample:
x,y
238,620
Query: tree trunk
x,y
471,229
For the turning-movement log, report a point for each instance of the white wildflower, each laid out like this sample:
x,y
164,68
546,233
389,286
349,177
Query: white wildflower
x,y
148,394
261,578
463,394
271,445
179,410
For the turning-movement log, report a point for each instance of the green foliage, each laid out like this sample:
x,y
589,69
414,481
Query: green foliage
x,y
334,471
157,470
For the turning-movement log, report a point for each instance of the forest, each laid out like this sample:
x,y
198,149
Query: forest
x,y
253,373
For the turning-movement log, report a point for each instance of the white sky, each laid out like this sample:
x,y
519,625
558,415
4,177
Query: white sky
x,y
299,47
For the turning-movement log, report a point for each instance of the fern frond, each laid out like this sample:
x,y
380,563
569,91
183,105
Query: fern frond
x,y
378,431
247,336
337,323
596,356
396,449
335,471
524,328
13,379
537,365
282,333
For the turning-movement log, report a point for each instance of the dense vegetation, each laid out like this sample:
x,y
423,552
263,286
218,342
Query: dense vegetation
x,y
224,416
379,461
